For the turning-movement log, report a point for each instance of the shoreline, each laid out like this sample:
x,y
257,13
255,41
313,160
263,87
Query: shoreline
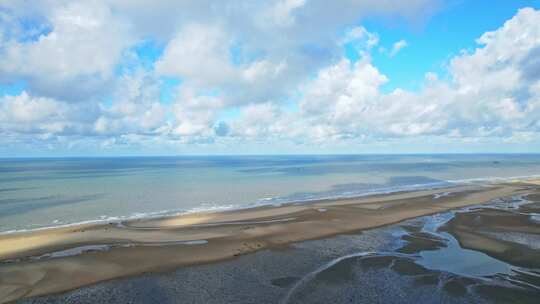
x,y
164,214
161,244
448,184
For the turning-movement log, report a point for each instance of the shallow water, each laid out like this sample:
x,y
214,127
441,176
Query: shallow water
x,y
452,257
394,264
38,193
427,258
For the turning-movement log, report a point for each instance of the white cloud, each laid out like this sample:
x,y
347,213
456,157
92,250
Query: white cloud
x,y
195,114
28,114
260,121
397,46
263,69
282,12
23,108
345,87
199,53
279,64
362,38
278,44
490,94
75,59
136,108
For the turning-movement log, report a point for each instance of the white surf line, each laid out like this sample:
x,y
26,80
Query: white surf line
x,y
175,212
489,180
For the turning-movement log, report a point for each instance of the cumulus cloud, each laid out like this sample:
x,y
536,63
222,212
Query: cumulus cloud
x,y
74,54
136,109
397,46
275,45
279,65
199,53
29,114
282,13
491,94
486,95
260,121
196,114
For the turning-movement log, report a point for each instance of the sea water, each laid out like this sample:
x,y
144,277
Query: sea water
x,y
44,192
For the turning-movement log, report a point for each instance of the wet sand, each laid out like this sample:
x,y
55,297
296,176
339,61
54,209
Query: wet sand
x,y
56,260
507,235
415,261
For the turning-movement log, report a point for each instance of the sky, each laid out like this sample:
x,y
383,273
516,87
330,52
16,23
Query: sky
x,y
134,77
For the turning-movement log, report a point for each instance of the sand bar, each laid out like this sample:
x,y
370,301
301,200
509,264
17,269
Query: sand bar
x,y
56,260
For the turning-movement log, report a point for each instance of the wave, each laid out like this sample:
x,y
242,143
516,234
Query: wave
x,y
281,200
121,218
317,196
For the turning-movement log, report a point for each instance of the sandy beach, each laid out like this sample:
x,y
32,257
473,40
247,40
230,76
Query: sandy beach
x,y
290,151
56,260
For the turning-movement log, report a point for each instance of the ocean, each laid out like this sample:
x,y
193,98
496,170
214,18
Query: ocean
x,y
37,193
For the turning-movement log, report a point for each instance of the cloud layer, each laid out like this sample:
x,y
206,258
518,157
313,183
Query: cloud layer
x,y
104,74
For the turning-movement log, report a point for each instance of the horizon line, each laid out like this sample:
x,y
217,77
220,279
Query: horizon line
x,y
275,154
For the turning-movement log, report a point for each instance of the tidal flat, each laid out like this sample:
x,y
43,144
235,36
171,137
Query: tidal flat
x,y
427,259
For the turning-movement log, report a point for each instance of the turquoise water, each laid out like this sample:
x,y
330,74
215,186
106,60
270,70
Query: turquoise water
x,y
36,193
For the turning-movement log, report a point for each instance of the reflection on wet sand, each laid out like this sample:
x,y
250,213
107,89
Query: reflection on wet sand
x,y
428,253
468,254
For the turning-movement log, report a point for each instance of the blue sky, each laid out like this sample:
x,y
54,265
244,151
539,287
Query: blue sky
x,y
455,27
290,76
